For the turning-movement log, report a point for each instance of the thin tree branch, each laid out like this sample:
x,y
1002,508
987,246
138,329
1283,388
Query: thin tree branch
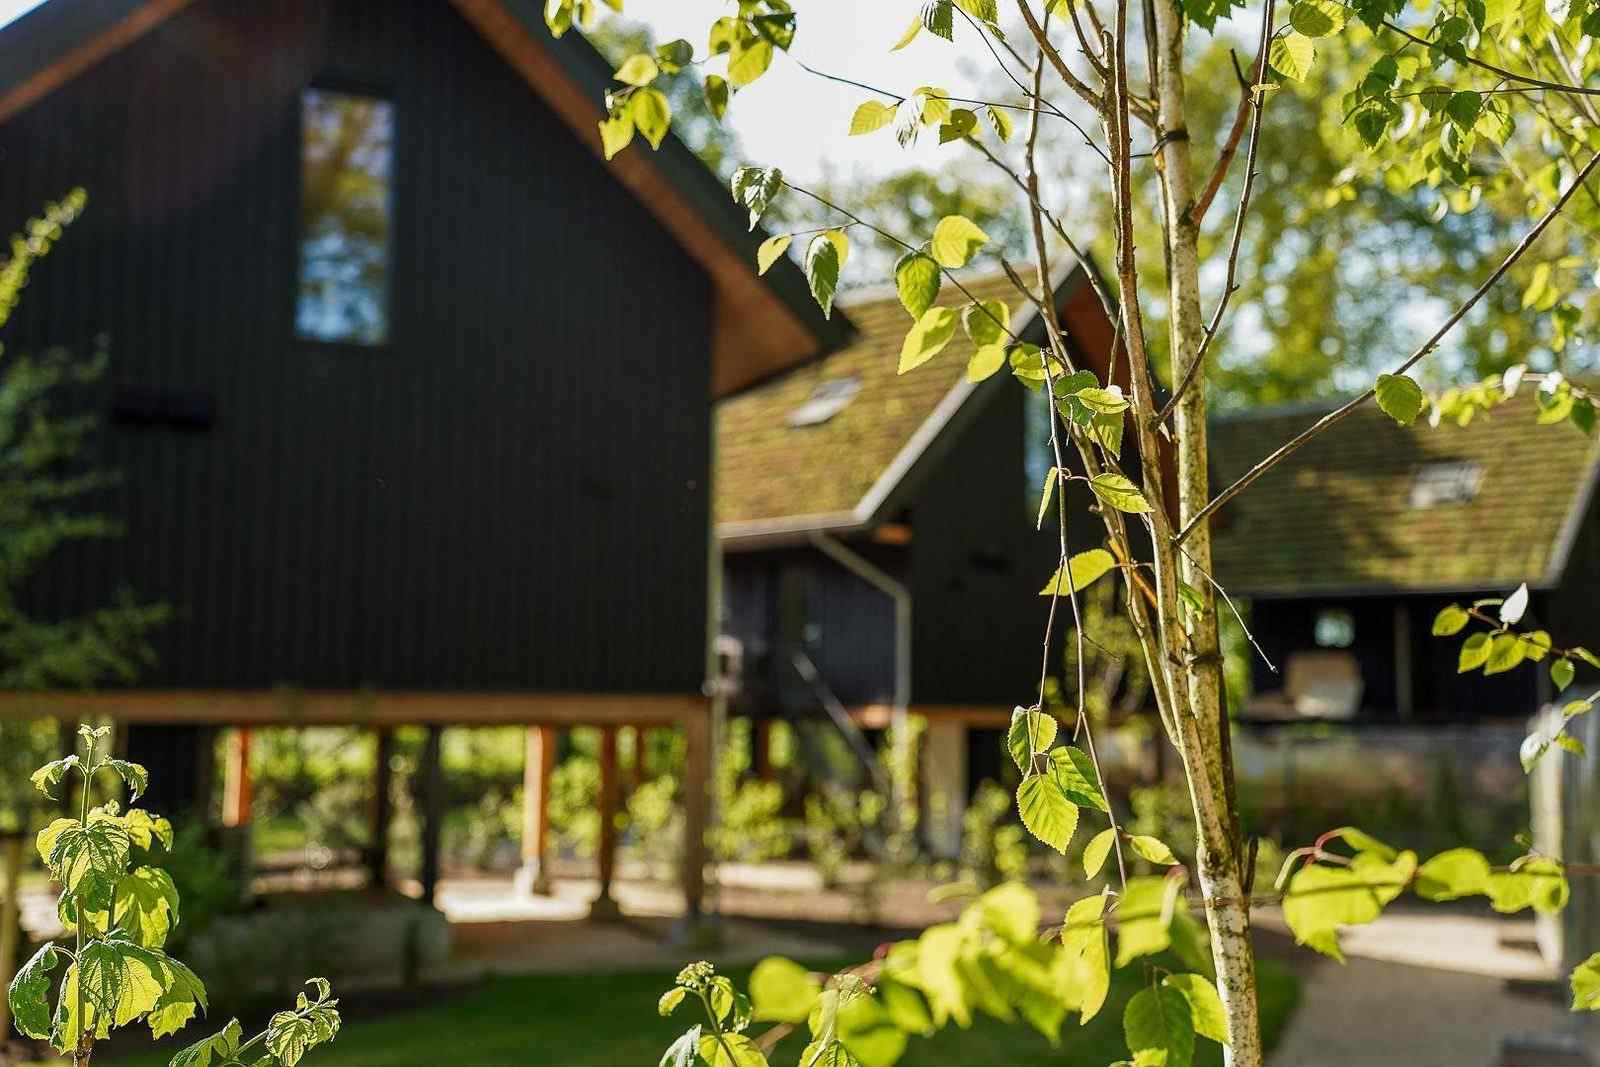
x,y
1416,357
1510,75
1241,122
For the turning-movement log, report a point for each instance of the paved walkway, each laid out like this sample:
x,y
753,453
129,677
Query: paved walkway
x,y
1430,988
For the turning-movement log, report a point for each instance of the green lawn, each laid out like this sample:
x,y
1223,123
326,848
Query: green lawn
x,y
609,1020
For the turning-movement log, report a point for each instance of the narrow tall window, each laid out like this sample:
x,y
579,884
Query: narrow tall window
x,y
346,163
1037,455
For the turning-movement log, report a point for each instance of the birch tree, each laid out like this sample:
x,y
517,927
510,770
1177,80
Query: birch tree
x,y
1453,100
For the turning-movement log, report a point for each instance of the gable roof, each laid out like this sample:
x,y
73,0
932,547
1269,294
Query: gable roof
x,y
775,480
760,326
1337,516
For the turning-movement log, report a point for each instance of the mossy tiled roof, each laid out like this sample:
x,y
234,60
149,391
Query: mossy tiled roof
x,y
1337,515
770,470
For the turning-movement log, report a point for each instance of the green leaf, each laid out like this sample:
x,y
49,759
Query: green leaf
x,y
1317,18
871,117
928,337
1145,915
1506,652
675,55
185,994
1292,55
1082,571
1451,620
869,1033
1047,814
1119,492
1046,494
147,905
1322,898
29,992
1075,776
917,279
755,187
782,991
1536,883
938,17
1158,1021
748,61
684,1051
841,244
1586,985
956,240
771,250
219,1047
1400,398
1108,401
1000,119
89,860
1464,107
717,95
144,829
962,123
1096,851
637,70
616,132
1515,606
46,778
120,982
1562,672
910,34
1474,653
1083,943
985,363
1031,731
822,271
291,1035
987,323
1205,1006
732,1050
652,115
133,775
1460,872
1152,849
669,1001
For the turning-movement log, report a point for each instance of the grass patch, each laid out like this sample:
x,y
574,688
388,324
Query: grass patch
x,y
606,1020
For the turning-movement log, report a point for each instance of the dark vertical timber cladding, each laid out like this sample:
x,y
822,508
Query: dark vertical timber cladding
x,y
510,494
978,566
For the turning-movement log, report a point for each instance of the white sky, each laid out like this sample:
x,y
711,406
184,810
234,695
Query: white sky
x,y
10,9
794,120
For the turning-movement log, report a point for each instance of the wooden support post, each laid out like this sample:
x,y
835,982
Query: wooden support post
x,y
761,745
432,810
696,808
11,852
382,809
237,787
605,905
538,763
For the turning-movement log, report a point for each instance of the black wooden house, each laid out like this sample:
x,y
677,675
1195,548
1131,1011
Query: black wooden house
x,y
409,391
1349,548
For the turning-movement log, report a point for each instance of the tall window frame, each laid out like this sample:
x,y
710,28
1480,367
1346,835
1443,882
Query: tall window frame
x,y
345,223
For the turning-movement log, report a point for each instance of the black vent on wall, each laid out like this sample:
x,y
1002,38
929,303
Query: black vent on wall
x,y
178,408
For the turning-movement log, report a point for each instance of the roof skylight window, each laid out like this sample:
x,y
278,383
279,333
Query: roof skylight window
x,y
1453,482
825,401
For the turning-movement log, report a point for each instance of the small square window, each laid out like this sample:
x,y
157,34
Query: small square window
x,y
346,165
1335,628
